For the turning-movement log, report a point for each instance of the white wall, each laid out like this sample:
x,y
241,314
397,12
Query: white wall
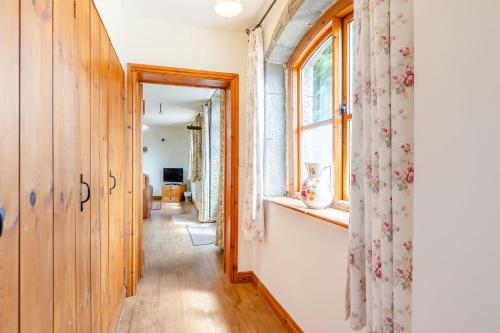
x,y
112,13
177,45
303,262
173,153
457,163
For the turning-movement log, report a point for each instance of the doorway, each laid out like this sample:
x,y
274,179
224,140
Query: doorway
x,y
229,83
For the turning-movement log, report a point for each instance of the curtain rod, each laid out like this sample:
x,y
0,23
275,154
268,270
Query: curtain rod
x,y
263,18
198,128
193,127
206,104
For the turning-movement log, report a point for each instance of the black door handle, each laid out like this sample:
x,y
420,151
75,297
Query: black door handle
x,y
114,182
88,192
2,218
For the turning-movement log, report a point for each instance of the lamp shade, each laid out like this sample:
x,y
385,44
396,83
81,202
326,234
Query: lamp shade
x,y
228,8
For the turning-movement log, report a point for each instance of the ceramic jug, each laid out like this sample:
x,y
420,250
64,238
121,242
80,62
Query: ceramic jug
x,y
316,192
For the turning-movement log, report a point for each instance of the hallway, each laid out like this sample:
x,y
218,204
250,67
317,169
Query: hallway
x,y
183,288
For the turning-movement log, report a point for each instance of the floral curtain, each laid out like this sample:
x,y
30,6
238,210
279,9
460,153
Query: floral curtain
x,y
204,213
380,231
219,231
195,152
253,212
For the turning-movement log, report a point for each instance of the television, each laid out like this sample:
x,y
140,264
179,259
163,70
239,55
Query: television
x,y
173,175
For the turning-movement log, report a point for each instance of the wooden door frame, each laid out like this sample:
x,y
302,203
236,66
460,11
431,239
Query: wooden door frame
x,y
139,73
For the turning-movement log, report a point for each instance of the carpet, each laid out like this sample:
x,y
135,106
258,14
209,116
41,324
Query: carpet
x,y
202,234
156,205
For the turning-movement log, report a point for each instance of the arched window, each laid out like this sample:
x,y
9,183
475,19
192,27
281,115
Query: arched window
x,y
320,92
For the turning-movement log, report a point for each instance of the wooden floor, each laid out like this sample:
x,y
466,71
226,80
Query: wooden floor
x,y
184,289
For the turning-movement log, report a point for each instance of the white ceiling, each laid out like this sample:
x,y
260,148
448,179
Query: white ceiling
x,y
179,104
197,12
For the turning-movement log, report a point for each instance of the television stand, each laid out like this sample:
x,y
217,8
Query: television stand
x,y
173,192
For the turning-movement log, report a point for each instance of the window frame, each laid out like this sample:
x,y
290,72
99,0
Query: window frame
x,y
299,66
332,24
347,116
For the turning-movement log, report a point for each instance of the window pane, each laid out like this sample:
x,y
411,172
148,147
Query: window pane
x,y
316,85
316,146
350,66
350,90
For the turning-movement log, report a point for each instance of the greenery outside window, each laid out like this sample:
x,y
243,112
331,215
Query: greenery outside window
x,y
320,102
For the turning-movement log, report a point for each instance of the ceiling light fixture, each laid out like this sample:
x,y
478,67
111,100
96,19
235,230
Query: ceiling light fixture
x,y
228,8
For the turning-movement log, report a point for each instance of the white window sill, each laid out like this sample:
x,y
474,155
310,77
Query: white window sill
x,y
330,215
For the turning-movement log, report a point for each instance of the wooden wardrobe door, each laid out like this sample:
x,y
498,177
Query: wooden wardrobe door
x,y
84,166
66,188
36,167
104,47
9,172
95,180
116,158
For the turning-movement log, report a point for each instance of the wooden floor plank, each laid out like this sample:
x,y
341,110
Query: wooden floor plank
x,y
184,288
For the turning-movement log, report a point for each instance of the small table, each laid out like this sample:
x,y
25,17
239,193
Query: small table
x,y
173,192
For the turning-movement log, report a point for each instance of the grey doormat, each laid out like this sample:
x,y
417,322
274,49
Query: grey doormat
x,y
202,234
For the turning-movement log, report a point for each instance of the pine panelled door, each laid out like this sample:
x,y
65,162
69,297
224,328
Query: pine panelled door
x,y
63,175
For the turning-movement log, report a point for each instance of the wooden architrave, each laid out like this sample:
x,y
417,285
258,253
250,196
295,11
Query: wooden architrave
x,y
139,73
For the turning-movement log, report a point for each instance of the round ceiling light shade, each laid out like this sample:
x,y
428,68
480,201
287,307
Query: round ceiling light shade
x,y
228,8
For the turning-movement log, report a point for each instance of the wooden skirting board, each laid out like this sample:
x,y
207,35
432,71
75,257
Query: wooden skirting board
x,y
278,309
156,197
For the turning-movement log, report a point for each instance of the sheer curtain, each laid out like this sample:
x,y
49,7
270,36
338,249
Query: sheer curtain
x,y
204,213
253,210
380,231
